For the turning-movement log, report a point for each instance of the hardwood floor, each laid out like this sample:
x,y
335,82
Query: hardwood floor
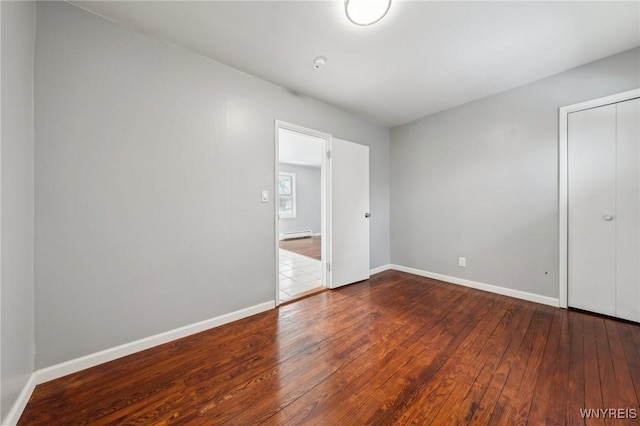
x,y
396,349
310,247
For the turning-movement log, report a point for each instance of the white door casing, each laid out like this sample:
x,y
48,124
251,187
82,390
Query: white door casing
x,y
324,191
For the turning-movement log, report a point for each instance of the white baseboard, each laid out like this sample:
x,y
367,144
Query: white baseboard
x,y
518,294
379,269
18,407
308,233
91,360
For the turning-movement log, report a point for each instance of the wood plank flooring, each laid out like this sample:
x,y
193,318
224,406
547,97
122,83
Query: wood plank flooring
x,y
396,349
310,247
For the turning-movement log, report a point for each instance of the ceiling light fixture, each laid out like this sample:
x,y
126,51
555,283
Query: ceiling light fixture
x,y
366,12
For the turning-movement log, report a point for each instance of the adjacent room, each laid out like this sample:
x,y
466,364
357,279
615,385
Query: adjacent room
x,y
328,212
301,201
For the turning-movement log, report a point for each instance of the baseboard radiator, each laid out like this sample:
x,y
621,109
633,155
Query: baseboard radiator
x,y
296,234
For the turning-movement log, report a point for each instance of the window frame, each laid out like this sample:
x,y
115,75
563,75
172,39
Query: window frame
x,y
294,213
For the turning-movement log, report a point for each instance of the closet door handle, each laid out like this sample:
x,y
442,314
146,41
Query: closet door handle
x,y
367,215
607,218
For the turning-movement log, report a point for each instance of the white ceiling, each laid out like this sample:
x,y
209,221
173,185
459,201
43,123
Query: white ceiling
x,y
299,148
423,57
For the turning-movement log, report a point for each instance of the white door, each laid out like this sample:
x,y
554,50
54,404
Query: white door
x,y
603,214
628,206
592,177
349,213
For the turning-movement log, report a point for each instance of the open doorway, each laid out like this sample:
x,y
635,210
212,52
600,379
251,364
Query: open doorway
x,y
301,203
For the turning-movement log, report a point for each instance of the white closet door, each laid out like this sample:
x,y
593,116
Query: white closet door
x,y
628,207
592,215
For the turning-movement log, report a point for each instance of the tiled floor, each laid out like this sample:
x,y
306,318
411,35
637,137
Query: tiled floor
x,y
298,274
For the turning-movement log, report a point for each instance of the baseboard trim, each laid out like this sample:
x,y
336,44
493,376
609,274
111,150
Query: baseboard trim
x,y
380,269
91,360
18,407
518,294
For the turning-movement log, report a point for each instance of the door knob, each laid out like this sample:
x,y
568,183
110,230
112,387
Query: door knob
x,y
607,218
367,215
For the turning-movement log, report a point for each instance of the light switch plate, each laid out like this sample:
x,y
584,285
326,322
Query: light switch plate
x,y
265,195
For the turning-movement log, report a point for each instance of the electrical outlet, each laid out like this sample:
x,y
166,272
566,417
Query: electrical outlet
x,y
462,262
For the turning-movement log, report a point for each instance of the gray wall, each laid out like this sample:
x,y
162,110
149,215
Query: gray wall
x,y
149,165
17,212
308,200
481,180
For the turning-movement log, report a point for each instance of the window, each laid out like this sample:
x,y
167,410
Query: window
x,y
287,195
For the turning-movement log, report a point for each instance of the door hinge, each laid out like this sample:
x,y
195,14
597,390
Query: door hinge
x,y
328,267
328,155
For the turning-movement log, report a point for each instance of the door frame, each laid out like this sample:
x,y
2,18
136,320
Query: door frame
x,y
325,203
563,180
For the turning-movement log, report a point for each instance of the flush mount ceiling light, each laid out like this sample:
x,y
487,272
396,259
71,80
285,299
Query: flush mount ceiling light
x,y
366,12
